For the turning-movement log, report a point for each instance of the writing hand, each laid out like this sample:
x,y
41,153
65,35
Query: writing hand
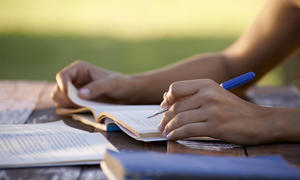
x,y
210,110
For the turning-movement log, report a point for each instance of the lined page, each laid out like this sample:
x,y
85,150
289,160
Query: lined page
x,y
138,120
49,144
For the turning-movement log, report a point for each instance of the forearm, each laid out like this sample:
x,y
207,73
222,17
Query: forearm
x,y
281,125
272,37
288,125
153,84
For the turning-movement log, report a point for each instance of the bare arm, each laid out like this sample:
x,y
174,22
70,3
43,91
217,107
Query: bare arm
x,y
267,42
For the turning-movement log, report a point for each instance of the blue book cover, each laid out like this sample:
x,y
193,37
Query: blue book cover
x,y
151,165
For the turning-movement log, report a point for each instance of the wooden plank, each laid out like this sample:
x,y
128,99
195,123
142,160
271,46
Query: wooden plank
x,y
283,96
278,97
41,173
124,142
45,108
205,148
290,152
92,173
44,112
18,99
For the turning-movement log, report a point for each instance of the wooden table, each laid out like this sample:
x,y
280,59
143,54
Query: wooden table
x,y
30,102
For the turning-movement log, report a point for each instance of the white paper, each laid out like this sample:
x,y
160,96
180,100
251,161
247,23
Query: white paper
x,y
138,120
99,107
49,144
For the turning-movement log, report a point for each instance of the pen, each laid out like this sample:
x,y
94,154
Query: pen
x,y
230,84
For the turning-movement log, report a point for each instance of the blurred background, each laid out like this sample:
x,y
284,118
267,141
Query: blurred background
x,y
40,37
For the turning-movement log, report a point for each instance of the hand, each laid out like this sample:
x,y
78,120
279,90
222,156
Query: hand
x,y
94,84
209,110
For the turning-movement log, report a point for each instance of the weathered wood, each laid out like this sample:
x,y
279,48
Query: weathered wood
x,y
287,96
45,112
45,108
44,173
289,151
18,99
92,173
206,147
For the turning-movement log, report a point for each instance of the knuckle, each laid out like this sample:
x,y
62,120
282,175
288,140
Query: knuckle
x,y
208,81
78,62
175,108
168,127
58,75
61,75
208,96
179,118
168,114
174,87
163,120
166,118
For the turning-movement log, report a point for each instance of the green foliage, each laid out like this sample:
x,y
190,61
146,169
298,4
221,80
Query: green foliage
x,y
40,57
38,38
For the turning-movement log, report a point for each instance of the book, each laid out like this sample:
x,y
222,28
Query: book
x,y
132,119
49,144
150,165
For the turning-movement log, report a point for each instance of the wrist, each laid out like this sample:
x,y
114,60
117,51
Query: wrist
x,y
139,84
280,124
288,124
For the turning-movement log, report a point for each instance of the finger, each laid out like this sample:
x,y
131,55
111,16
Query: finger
x,y
97,88
60,102
167,116
62,78
60,99
69,73
181,89
165,94
184,118
188,103
189,130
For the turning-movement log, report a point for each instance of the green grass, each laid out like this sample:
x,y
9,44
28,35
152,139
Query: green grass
x,y
40,57
38,38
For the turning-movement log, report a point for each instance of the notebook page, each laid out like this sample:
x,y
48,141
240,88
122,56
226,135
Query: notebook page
x,y
103,107
49,143
138,120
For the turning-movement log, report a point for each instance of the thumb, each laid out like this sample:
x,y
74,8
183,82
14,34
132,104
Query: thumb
x,y
95,88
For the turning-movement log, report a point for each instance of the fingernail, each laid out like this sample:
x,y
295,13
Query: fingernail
x,y
164,134
85,92
168,136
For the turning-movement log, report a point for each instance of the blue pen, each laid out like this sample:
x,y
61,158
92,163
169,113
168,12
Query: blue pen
x,y
230,84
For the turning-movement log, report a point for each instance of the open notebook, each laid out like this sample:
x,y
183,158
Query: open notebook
x,y
132,119
49,144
